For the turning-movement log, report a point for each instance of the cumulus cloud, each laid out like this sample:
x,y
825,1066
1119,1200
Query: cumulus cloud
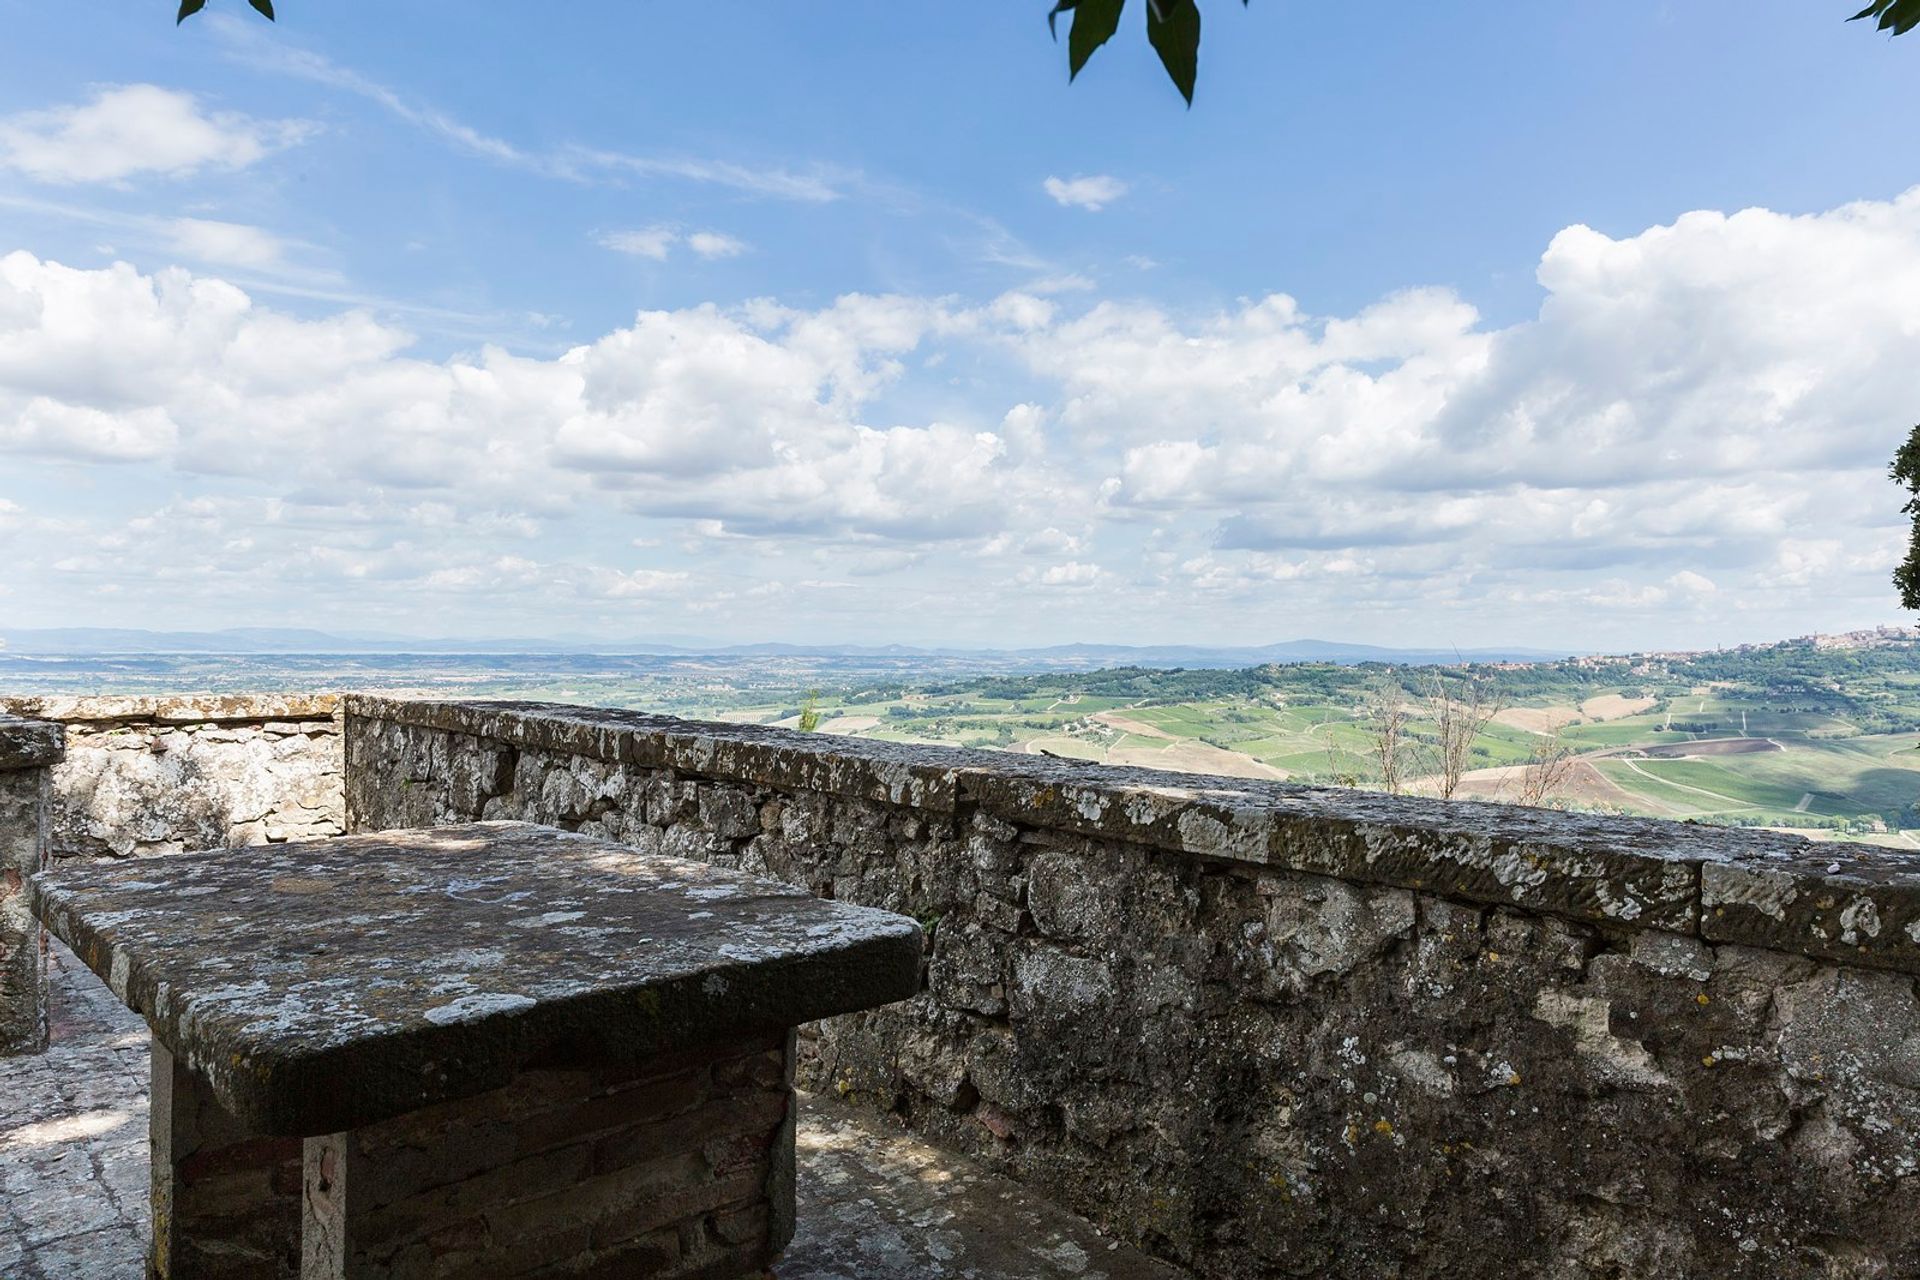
x,y
1695,423
128,130
1093,193
753,418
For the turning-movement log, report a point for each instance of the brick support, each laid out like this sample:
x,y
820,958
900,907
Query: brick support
x,y
225,1201
681,1170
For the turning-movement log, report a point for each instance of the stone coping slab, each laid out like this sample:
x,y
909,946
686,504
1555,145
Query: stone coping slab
x,y
182,708
30,744
322,986
892,773
1724,884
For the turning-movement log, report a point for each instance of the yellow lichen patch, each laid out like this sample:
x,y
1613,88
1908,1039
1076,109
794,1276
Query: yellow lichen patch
x,y
1383,1126
1513,1077
1709,1061
1703,1000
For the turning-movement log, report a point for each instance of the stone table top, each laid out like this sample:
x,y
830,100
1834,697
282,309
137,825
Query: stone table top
x,y
326,985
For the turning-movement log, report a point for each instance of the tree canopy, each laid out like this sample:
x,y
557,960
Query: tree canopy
x,y
1906,471
1173,29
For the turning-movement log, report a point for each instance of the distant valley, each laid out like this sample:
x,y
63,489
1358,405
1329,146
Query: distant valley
x,y
1819,734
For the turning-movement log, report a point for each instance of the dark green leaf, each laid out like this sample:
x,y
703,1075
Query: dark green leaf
x,y
1906,472
1054,13
1897,16
1173,28
188,8
1094,22
264,6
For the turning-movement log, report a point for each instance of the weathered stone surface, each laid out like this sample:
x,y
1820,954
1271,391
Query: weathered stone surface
x,y
1270,1030
192,708
28,744
328,985
168,774
1835,902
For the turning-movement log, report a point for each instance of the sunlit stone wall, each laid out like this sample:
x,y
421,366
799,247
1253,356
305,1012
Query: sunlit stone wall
x,y
1275,1030
146,775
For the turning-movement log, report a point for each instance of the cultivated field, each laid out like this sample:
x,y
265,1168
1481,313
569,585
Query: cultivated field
x,y
1836,757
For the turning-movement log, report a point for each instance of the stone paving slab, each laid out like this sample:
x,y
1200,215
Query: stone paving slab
x,y
326,985
874,1204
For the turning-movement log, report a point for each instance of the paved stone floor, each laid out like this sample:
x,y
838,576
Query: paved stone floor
x,y
874,1203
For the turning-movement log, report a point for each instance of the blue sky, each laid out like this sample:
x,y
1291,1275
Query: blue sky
x,y
765,321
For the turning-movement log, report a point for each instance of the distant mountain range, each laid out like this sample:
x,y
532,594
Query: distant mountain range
x,y
240,641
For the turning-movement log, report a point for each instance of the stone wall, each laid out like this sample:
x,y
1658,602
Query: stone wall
x,y
147,775
28,749
1276,1030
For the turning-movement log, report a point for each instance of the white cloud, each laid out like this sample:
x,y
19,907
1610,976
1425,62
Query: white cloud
x,y
715,244
1093,193
129,130
647,242
1071,574
232,244
657,242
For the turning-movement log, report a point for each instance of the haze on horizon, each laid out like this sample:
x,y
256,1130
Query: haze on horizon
x,y
1501,329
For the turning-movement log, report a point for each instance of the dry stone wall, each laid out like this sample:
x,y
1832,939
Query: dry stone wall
x,y
145,775
1275,1030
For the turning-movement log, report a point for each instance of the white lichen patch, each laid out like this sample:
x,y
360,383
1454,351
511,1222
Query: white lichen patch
x,y
1617,906
1860,918
1517,872
546,918
479,1005
1091,805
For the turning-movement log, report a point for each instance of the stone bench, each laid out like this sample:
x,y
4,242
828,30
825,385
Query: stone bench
x,y
495,1050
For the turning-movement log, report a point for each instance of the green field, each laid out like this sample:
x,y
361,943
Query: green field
x,y
1838,733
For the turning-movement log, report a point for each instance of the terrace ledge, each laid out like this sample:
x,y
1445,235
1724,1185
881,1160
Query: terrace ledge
x,y
1719,884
